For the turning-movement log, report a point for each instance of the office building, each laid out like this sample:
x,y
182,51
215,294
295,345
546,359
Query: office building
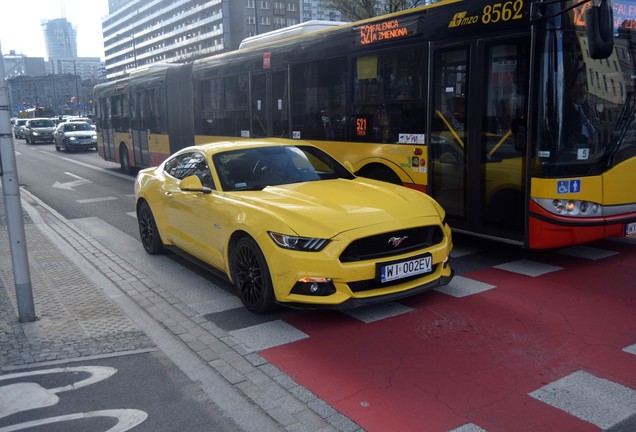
x,y
139,33
60,38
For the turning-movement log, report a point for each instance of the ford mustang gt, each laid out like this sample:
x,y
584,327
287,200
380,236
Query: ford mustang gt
x,y
287,224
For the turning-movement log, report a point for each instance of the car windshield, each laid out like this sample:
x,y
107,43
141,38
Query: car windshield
x,y
41,123
259,167
74,127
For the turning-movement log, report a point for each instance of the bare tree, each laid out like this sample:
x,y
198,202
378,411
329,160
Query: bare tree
x,y
355,10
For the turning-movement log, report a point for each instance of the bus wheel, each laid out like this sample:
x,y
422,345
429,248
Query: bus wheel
x,y
148,232
251,276
124,160
382,173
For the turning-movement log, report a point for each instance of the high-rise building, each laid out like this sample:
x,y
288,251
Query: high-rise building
x,y
138,33
61,38
318,10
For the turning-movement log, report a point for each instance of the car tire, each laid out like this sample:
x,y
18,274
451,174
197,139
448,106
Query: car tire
x,y
148,232
251,276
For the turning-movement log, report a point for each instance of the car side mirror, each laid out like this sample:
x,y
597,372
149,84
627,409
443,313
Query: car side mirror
x,y
193,184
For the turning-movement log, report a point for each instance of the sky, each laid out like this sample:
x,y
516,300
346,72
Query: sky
x,y
21,30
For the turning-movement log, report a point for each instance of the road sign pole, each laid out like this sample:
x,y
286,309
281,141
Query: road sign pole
x,y
13,207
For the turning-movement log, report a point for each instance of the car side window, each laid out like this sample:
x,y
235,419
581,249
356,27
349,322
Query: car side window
x,y
188,164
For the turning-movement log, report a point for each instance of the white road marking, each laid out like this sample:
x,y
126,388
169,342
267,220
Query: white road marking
x,y
268,335
99,199
462,286
630,349
469,427
528,267
587,252
373,313
72,184
596,400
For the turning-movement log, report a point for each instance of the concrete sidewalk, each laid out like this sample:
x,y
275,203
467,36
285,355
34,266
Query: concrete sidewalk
x,y
90,303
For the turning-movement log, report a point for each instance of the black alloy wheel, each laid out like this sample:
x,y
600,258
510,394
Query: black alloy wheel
x,y
251,276
148,232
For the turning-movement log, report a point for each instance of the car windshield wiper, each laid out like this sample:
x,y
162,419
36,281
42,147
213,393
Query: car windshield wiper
x,y
625,119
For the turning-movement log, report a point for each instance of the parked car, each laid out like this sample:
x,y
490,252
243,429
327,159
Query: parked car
x,y
39,130
18,127
75,136
288,224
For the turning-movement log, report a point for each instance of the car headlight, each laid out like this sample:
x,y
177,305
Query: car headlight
x,y
72,138
94,136
34,133
306,244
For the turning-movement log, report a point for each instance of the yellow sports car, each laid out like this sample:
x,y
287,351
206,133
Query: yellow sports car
x,y
288,224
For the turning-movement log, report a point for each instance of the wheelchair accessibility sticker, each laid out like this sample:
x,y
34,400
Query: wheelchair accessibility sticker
x,y
569,186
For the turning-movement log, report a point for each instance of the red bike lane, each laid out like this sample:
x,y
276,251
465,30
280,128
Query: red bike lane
x,y
474,360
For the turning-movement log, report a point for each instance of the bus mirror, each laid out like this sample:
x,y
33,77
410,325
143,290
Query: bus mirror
x,y
600,30
518,127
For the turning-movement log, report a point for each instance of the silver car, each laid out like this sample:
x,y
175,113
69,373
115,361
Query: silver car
x,y
18,127
75,136
39,130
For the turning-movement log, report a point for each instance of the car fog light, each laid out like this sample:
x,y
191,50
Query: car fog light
x,y
314,286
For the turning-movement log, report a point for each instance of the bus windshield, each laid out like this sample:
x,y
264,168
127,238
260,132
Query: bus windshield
x,y
588,121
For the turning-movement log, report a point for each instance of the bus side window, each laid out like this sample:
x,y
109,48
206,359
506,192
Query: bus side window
x,y
388,95
319,99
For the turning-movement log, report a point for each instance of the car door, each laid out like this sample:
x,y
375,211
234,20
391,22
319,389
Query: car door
x,y
195,217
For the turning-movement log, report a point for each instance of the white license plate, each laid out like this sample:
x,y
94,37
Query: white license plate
x,y
630,230
404,269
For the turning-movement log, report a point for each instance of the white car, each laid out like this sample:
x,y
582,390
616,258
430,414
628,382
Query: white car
x,y
75,135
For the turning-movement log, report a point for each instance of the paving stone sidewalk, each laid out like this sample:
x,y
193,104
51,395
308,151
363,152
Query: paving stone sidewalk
x,y
76,319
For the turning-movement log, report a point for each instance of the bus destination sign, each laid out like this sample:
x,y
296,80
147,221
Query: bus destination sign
x,y
382,31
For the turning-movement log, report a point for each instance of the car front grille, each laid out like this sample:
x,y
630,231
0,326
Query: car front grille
x,y
392,243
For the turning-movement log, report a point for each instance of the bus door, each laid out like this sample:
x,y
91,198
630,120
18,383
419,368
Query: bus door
x,y
106,128
477,146
139,132
270,104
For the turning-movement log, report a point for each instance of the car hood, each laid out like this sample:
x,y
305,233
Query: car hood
x,y
44,129
328,207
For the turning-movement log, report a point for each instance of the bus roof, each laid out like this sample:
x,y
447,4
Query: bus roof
x,y
287,32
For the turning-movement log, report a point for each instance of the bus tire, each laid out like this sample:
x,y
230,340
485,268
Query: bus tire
x,y
380,172
124,160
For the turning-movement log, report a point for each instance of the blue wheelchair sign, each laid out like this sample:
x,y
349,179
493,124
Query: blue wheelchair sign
x,y
569,186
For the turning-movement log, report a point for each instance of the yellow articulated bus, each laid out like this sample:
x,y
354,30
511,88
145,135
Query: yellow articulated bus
x,y
516,116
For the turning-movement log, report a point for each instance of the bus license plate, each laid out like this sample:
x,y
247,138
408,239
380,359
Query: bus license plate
x,y
404,269
630,230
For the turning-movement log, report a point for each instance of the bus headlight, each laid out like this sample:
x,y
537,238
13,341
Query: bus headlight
x,y
574,208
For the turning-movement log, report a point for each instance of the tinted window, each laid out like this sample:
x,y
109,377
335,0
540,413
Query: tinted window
x,y
188,164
